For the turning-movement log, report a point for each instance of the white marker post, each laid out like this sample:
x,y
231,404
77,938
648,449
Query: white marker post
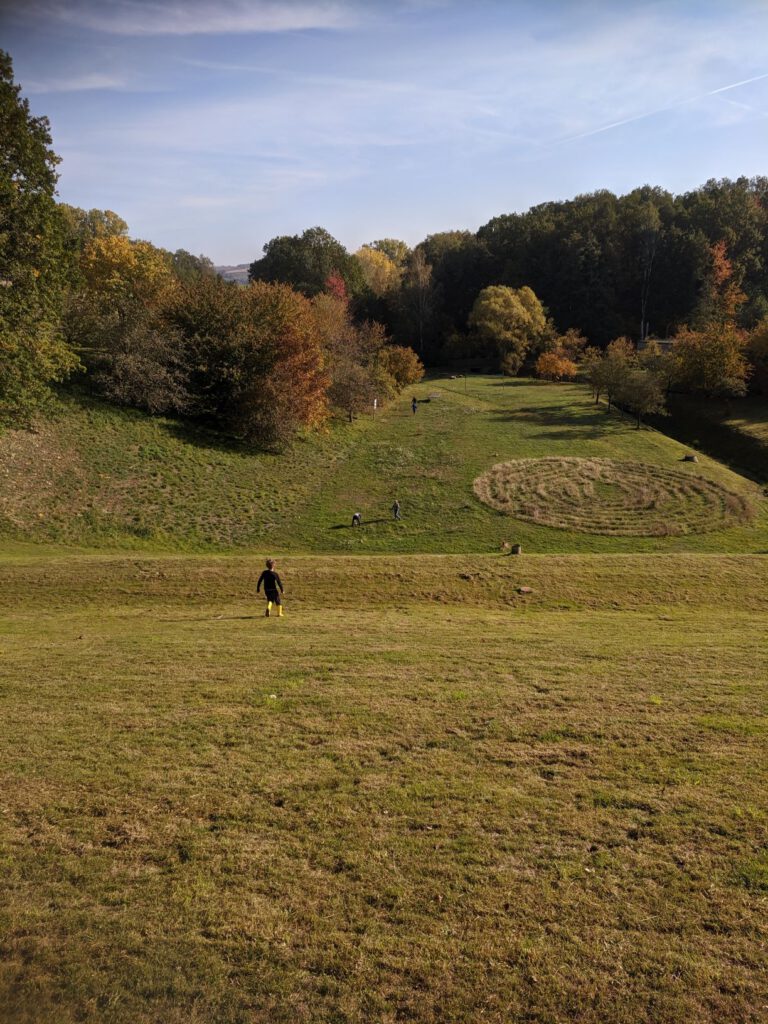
x,y
375,406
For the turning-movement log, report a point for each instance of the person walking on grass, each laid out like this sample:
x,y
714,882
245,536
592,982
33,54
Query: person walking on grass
x,y
396,509
414,405
271,582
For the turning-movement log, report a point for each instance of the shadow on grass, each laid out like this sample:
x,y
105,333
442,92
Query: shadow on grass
x,y
191,432
737,449
200,436
546,416
215,618
365,522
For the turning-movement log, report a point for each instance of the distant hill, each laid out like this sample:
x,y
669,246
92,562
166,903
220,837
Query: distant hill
x,y
237,273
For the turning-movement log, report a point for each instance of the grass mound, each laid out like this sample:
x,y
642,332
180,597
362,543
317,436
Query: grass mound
x,y
608,496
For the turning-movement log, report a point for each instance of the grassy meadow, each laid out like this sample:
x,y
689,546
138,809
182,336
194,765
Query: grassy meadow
x,y
449,786
421,795
100,477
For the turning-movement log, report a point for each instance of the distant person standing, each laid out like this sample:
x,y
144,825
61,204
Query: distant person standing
x,y
273,588
396,509
414,405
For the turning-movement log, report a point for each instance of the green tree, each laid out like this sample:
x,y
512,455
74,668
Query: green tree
x,y
306,262
188,267
510,320
619,361
83,225
394,249
593,367
713,361
663,363
641,392
32,270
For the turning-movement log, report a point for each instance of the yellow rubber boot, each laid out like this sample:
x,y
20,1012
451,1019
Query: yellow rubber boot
x,y
279,611
269,609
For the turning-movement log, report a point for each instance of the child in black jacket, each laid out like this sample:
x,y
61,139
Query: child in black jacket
x,y
271,582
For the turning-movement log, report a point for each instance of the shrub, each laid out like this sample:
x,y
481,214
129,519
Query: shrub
x,y
402,364
555,366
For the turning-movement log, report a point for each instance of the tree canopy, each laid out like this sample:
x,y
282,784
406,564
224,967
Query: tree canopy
x,y
306,262
32,265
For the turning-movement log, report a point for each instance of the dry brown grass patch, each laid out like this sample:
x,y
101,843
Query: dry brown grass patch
x,y
608,496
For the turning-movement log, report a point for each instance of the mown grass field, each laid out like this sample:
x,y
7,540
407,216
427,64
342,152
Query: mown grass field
x,y
450,785
420,796
99,477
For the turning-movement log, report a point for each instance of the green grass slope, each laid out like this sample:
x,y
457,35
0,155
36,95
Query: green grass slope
x,y
99,477
420,796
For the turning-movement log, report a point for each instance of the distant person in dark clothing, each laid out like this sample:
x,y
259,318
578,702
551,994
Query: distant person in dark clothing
x,y
271,582
396,509
357,519
414,405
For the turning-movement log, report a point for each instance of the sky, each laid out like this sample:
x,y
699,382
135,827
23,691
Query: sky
x,y
214,125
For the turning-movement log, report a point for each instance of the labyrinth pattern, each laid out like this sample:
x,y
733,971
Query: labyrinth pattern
x,y
606,496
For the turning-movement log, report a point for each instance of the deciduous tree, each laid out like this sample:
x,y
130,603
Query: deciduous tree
x,y
381,274
306,262
713,361
619,360
509,320
32,258
555,366
641,392
402,364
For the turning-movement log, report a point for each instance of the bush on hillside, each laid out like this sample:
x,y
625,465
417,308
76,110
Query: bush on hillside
x,y
145,368
253,357
555,366
402,364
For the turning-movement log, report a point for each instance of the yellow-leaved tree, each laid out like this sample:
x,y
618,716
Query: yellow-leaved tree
x,y
381,274
510,321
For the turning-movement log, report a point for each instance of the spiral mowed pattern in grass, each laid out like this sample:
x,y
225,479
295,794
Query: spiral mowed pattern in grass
x,y
608,496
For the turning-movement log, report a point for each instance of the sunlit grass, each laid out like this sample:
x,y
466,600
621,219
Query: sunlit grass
x,y
108,478
422,795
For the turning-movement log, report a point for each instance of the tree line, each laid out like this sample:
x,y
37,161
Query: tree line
x,y
566,287
161,331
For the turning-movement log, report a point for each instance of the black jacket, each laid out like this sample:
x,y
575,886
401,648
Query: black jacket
x,y
271,582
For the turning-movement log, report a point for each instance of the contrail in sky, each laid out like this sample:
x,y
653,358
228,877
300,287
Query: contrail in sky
x,y
662,110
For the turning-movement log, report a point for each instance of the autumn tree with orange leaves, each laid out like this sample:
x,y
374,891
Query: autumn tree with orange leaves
x,y
555,366
711,356
254,358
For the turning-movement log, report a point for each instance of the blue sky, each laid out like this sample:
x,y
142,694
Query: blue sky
x,y
213,125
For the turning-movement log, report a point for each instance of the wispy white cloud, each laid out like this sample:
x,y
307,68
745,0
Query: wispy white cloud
x,y
199,17
76,83
411,113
